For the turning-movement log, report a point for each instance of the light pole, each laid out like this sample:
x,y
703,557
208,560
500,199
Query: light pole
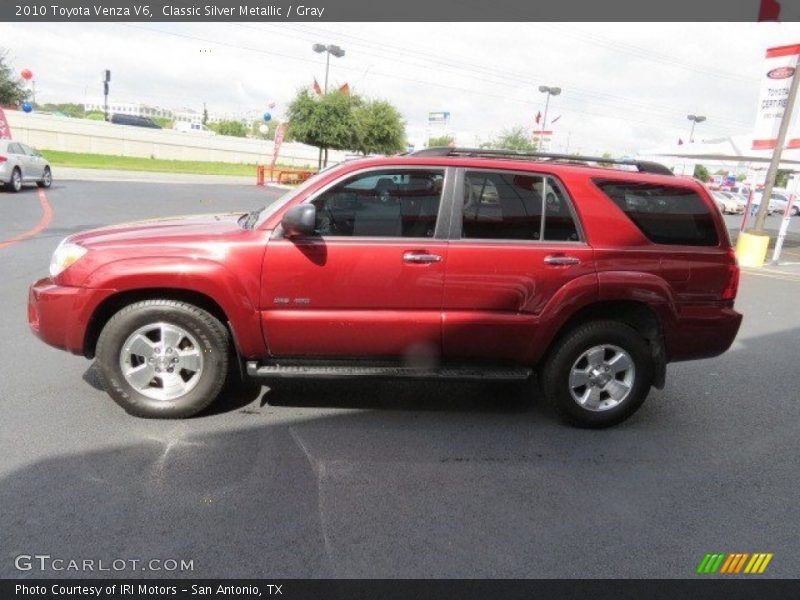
x,y
338,52
695,119
550,91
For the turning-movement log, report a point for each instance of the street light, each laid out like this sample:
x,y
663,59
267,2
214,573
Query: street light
x,y
329,49
550,91
695,119
338,53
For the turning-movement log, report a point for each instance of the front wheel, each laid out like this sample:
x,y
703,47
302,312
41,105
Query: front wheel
x,y
599,374
15,183
47,179
163,358
795,211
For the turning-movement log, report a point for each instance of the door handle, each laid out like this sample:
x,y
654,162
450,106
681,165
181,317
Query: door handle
x,y
561,260
421,257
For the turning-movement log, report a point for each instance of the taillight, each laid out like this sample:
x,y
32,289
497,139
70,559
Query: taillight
x,y
732,285
3,158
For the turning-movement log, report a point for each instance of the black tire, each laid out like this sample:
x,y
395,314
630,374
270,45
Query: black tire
x,y
211,336
555,373
795,211
47,180
15,183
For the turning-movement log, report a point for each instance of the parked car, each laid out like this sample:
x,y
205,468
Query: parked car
x,y
197,128
445,263
134,120
728,203
21,164
777,203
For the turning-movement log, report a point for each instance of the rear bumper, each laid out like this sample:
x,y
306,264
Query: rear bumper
x,y
702,332
59,315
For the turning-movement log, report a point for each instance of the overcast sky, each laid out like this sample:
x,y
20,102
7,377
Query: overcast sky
x,y
626,87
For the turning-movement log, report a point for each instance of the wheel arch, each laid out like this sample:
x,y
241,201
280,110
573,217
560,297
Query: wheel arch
x,y
114,303
638,315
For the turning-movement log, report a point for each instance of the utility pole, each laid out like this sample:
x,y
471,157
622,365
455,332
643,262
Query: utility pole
x,y
763,208
106,80
550,91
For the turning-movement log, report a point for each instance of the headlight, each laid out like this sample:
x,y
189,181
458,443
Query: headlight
x,y
65,255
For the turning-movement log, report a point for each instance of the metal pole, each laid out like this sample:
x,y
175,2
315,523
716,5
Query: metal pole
x,y
327,66
544,120
776,155
691,132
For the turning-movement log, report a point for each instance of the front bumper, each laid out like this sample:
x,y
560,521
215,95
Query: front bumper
x,y
60,315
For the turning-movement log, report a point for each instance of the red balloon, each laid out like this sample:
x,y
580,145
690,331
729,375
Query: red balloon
x,y
26,74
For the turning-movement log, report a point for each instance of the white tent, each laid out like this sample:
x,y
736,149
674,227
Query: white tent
x,y
734,152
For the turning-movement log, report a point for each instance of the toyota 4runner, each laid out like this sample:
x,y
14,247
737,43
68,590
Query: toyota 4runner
x,y
446,263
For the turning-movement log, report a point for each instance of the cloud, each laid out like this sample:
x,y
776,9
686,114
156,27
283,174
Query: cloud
x,y
626,86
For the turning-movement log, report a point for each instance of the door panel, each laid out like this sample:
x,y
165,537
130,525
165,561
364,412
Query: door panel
x,y
352,297
493,292
520,242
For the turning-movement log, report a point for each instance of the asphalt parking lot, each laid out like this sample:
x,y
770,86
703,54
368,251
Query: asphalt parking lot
x,y
388,479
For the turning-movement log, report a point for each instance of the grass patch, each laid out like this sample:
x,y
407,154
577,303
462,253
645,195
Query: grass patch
x,y
155,165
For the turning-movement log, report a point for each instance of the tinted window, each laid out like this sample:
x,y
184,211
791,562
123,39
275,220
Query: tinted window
x,y
390,203
502,206
665,214
508,206
15,149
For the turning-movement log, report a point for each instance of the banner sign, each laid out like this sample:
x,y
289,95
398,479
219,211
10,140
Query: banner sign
x,y
5,129
776,78
438,118
280,133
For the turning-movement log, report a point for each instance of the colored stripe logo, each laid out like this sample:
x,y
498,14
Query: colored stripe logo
x,y
735,563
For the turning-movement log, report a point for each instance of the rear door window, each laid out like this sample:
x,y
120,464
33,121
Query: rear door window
x,y
665,214
515,206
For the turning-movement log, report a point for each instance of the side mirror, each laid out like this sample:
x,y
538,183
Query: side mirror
x,y
299,220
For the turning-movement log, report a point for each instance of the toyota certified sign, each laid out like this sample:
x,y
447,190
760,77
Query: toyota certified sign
x,y
779,69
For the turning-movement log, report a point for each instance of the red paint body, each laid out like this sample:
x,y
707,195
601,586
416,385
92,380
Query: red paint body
x,y
352,297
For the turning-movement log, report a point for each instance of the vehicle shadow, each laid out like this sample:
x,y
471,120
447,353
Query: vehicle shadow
x,y
418,480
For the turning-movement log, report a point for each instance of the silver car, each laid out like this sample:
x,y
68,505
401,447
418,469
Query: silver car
x,y
21,164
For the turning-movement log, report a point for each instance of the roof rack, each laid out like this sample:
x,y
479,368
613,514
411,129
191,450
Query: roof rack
x,y
643,166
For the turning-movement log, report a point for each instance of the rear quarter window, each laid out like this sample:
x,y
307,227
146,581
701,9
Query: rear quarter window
x,y
665,214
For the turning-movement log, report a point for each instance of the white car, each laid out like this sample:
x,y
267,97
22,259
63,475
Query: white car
x,y
21,164
187,127
727,203
777,203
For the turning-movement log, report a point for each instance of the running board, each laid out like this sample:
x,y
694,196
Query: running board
x,y
352,371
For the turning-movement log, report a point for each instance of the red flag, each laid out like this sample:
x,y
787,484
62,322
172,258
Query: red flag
x,y
538,117
556,119
345,89
317,89
680,142
5,130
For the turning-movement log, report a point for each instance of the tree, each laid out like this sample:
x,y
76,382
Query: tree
x,y
379,128
233,128
323,121
606,155
442,140
782,178
701,173
515,138
12,87
205,114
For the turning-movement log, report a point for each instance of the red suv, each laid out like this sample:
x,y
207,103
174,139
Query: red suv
x,y
446,263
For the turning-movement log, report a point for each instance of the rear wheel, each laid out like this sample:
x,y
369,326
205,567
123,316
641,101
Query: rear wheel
x,y
47,179
795,211
163,358
15,183
599,374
